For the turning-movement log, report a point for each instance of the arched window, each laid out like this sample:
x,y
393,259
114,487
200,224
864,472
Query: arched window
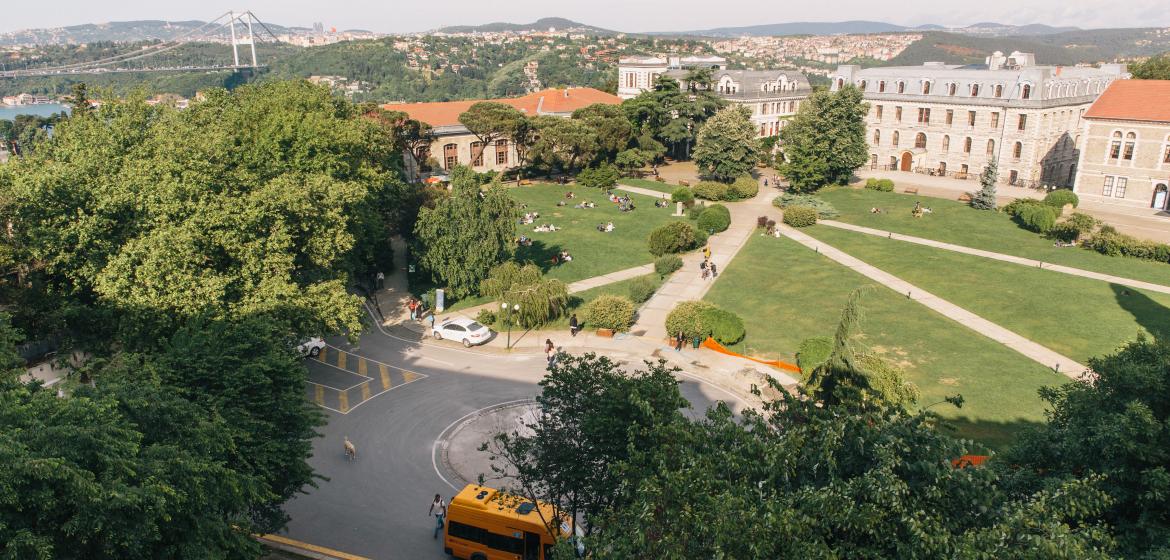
x,y
840,83
1166,151
877,137
920,140
926,88
1115,145
1026,93
967,145
450,156
1130,141
990,148
862,85
882,86
477,149
998,90
952,88
895,139
974,90
946,144
901,87
1017,149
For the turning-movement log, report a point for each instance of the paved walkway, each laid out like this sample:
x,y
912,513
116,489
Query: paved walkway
x,y
687,284
1060,363
1001,257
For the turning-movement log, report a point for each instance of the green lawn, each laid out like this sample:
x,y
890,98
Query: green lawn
x,y
787,293
650,184
594,253
1078,317
955,222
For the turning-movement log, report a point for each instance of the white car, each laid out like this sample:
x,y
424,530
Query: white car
x,y
462,330
311,347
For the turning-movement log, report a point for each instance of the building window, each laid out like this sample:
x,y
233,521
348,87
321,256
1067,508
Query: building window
x,y
1013,177
477,150
1026,93
901,87
878,112
1130,140
840,83
882,86
1119,187
1166,155
873,161
450,156
946,144
967,145
952,89
1023,123
974,90
501,152
998,90
1115,146
925,88
990,148
894,142
970,118
995,119
897,114
629,79
1017,149
1107,187
942,168
924,115
963,169
920,140
862,85
763,129
950,115
877,137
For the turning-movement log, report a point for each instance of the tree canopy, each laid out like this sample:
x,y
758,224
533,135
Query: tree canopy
x,y
1153,68
726,148
825,142
671,116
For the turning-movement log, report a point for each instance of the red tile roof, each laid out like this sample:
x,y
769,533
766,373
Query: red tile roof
x,y
446,113
1133,100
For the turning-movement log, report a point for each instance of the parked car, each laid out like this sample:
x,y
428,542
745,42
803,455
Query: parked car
x,y
311,347
462,330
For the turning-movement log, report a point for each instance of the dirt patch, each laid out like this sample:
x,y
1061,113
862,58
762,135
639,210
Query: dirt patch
x,y
949,381
958,50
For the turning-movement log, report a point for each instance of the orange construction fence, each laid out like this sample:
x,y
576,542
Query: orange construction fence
x,y
712,345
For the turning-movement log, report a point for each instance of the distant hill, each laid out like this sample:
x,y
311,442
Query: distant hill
x,y
119,31
858,27
542,24
1065,48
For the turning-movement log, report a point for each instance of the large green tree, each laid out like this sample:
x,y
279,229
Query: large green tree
x,y
609,123
1153,68
671,116
466,234
564,143
490,121
726,147
540,299
825,142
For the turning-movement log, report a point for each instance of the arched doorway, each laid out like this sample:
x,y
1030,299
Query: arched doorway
x,y
1160,198
907,161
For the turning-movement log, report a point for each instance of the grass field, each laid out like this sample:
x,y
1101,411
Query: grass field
x,y
786,293
649,184
955,222
1078,317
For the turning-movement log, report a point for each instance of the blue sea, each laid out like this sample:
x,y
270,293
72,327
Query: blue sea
x,y
9,113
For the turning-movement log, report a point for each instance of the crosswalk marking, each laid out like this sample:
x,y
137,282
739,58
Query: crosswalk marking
x,y
408,376
323,356
365,391
362,367
341,359
343,401
385,371
319,395
390,377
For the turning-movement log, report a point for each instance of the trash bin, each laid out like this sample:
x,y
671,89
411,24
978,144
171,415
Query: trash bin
x,y
696,341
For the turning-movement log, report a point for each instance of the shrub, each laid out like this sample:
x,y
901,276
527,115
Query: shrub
x,y
715,218
1014,207
762,222
694,211
667,263
1037,217
1060,197
700,238
485,317
882,185
824,209
642,287
687,317
1119,244
722,325
683,195
674,237
609,312
1076,227
744,187
711,190
813,352
800,216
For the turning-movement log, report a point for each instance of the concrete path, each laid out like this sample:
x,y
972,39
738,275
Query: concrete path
x,y
604,279
1062,364
1001,257
687,284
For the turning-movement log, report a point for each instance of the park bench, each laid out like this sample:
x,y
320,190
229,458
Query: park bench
x,y
965,197
910,190
684,183
525,181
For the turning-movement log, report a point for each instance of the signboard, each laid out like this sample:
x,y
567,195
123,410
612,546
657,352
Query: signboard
x,y
440,300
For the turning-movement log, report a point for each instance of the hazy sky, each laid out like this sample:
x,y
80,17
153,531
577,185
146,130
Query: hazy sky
x,y
622,15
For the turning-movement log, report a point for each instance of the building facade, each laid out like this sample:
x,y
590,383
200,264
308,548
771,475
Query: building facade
x,y
454,145
772,96
1125,159
950,120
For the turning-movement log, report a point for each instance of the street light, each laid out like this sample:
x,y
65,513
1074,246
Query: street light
x,y
508,320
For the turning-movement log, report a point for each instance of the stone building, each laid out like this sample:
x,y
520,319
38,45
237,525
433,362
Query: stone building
x,y
1125,158
455,145
772,96
951,120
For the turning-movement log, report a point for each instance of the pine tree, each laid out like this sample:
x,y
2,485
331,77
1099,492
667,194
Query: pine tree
x,y
985,198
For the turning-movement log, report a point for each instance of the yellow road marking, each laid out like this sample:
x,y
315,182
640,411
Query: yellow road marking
x,y
319,395
323,354
366,391
362,367
343,401
408,376
277,539
341,360
385,371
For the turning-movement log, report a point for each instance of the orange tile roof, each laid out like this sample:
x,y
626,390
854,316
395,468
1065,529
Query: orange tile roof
x,y
553,100
1133,100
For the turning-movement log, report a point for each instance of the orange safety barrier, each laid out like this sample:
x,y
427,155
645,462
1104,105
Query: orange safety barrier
x,y
712,345
968,461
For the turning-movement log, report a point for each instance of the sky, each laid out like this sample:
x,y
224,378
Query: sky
x,y
393,16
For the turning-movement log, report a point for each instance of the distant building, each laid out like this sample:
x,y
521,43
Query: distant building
x,y
951,120
455,145
1125,158
772,96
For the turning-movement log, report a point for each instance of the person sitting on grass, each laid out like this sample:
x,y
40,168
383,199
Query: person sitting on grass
x,y
609,227
566,257
569,194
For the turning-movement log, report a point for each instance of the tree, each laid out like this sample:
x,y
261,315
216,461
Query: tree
x,y
490,121
726,146
604,177
564,142
825,142
1115,429
80,100
985,198
465,235
610,125
592,416
671,115
629,160
699,78
540,299
1153,68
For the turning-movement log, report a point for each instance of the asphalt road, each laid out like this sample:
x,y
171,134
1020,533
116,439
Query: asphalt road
x,y
377,506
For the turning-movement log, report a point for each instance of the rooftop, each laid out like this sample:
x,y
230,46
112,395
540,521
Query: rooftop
x,y
551,101
1133,100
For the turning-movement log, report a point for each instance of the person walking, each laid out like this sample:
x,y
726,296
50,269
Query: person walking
x,y
413,307
678,341
439,510
432,322
705,270
381,283
550,351
707,253
573,325
714,271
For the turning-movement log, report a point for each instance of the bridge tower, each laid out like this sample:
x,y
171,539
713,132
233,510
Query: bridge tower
x,y
244,19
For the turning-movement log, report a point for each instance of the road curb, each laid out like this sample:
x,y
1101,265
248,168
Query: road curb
x,y
305,549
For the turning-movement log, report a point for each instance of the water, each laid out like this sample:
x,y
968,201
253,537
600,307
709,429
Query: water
x,y
9,112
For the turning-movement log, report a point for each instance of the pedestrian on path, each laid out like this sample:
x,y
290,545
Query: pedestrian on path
x,y
707,252
573,325
432,322
550,351
704,270
413,306
439,510
678,341
714,271
381,282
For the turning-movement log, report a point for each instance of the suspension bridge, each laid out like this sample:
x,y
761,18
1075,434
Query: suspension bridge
x,y
151,58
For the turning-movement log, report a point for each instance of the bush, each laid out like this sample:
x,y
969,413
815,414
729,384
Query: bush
x,y
813,352
700,238
687,317
882,185
1115,244
667,264
674,237
1060,197
711,190
800,216
485,317
694,211
1037,217
609,312
824,209
1014,207
722,325
1076,227
683,195
744,187
642,287
715,218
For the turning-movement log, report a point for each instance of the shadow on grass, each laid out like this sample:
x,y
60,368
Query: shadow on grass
x,y
1151,315
988,435
539,253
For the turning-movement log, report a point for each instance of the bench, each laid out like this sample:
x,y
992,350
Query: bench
x,y
910,190
525,182
684,183
965,197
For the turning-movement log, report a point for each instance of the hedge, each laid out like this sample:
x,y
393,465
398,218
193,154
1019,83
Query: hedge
x,y
800,216
1037,217
1014,207
674,237
711,190
883,185
610,312
683,195
813,352
744,187
1076,227
687,317
824,209
715,218
641,288
722,325
1060,197
667,263
1110,242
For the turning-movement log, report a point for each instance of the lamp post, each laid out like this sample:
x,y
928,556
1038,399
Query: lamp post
x,y
508,310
